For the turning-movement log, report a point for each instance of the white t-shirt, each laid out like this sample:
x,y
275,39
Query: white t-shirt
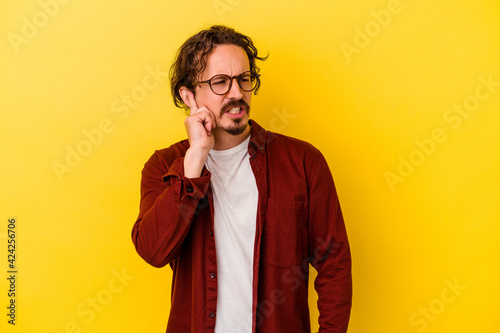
x,y
235,213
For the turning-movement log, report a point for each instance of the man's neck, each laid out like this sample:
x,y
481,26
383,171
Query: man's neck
x,y
224,140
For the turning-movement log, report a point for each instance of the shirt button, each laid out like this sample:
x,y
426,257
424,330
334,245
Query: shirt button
x,y
189,189
212,314
211,233
212,275
261,148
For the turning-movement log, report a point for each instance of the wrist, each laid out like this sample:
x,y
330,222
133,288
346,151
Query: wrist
x,y
194,161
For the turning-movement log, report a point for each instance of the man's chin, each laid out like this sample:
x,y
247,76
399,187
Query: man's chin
x,y
238,126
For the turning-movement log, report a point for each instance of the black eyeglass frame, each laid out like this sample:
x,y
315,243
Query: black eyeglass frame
x,y
237,77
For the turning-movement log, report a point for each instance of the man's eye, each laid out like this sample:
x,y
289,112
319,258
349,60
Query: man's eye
x,y
219,82
246,78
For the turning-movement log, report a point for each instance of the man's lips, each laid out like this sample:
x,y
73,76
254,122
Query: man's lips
x,y
235,109
236,112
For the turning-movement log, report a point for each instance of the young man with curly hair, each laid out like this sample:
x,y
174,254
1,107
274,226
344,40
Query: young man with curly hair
x,y
237,211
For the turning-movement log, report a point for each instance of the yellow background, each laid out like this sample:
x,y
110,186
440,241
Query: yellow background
x,y
365,110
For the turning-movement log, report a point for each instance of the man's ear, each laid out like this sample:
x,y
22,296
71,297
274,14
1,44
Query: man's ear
x,y
187,96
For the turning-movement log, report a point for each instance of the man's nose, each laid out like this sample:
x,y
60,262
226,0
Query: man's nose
x,y
235,92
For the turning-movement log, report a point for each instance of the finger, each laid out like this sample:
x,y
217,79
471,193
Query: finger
x,y
209,121
213,123
204,117
193,106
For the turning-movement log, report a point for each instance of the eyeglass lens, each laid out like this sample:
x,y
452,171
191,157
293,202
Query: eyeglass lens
x,y
220,84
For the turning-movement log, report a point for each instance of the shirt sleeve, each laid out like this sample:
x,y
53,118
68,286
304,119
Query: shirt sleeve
x,y
168,205
329,250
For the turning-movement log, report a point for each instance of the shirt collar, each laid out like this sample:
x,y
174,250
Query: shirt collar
x,y
257,136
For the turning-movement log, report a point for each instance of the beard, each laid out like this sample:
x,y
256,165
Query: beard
x,y
238,125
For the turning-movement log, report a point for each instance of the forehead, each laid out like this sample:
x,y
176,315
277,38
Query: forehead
x,y
226,59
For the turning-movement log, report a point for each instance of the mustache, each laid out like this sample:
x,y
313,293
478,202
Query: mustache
x,y
234,104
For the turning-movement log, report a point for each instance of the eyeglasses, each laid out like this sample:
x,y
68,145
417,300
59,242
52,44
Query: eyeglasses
x,y
221,84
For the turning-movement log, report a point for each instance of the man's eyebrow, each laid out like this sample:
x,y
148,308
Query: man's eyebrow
x,y
219,73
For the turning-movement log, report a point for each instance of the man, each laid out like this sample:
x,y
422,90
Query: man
x,y
237,211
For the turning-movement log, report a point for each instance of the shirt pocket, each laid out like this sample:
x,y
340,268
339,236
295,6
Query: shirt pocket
x,y
284,237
